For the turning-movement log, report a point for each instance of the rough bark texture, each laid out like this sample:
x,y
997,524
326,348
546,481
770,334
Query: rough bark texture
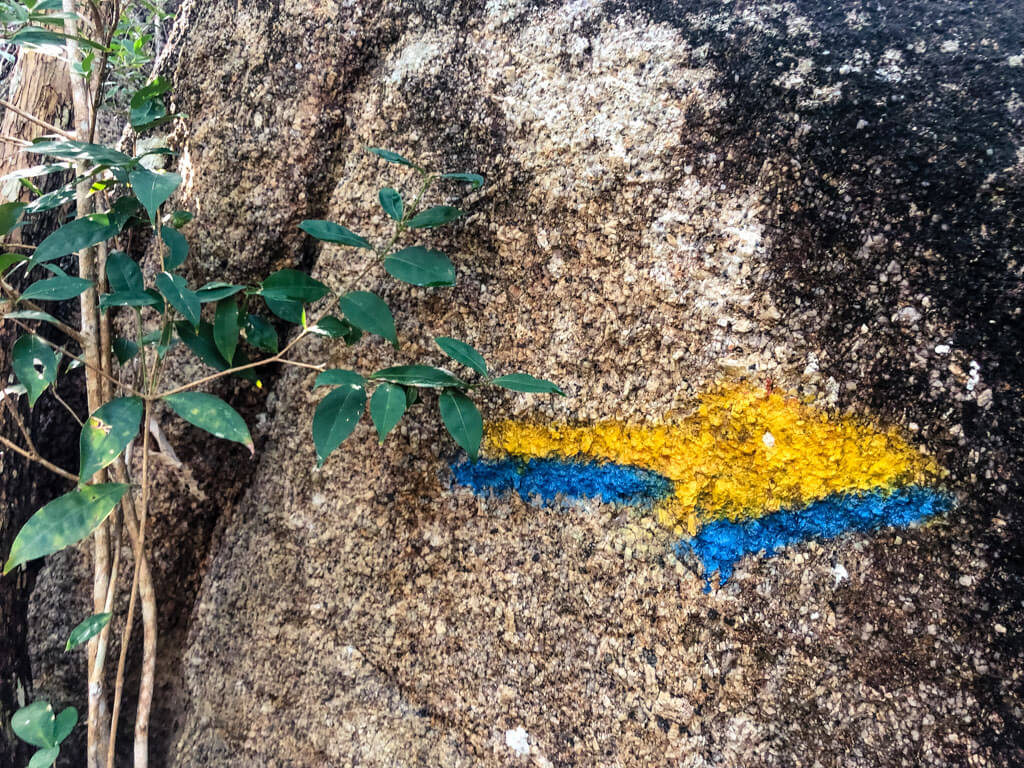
x,y
823,195
39,86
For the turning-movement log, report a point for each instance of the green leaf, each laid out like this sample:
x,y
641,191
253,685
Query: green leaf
x,y
225,327
386,407
212,414
35,365
434,217
35,170
336,417
368,311
419,376
473,178
153,189
463,421
177,246
87,630
107,433
180,218
124,349
523,382
123,274
64,521
176,291
31,314
200,342
261,334
461,352
392,157
8,260
418,266
289,311
52,200
293,285
336,377
157,87
334,328
56,289
44,758
74,236
64,724
10,213
217,290
78,150
131,299
123,210
334,233
391,202
34,724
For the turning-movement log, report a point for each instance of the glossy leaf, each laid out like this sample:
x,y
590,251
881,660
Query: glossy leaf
x,y
289,311
64,521
157,87
523,382
34,364
10,214
226,328
56,289
368,311
131,299
336,417
87,630
74,236
177,248
336,377
391,202
52,200
293,285
67,149
124,349
211,414
217,290
107,433
463,421
8,260
176,291
334,328
123,274
34,724
180,218
461,352
64,724
44,758
392,157
473,178
200,342
153,189
387,405
418,266
434,217
32,314
330,232
419,376
261,334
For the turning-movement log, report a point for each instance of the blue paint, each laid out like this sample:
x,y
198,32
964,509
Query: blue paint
x,y
720,544
548,478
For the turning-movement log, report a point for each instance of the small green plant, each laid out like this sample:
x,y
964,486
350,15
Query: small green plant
x,y
37,725
228,326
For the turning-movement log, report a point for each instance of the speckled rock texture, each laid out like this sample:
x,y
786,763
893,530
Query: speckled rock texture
x,y
825,197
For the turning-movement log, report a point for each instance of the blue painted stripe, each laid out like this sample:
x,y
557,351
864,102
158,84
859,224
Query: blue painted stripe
x,y
719,545
547,478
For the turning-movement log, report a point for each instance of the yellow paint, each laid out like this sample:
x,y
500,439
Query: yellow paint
x,y
742,453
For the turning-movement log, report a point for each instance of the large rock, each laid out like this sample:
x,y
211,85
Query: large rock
x,y
824,199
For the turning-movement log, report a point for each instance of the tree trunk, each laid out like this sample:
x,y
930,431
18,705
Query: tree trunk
x,y
39,86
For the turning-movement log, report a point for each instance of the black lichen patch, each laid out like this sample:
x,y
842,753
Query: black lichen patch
x,y
885,134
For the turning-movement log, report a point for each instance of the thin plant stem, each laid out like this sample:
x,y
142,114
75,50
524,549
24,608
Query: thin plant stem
x,y
64,328
38,121
68,408
10,406
35,457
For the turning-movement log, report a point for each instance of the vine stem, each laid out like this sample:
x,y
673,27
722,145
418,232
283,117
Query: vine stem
x,y
64,328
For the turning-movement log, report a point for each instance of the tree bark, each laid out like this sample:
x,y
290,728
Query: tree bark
x,y
38,85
